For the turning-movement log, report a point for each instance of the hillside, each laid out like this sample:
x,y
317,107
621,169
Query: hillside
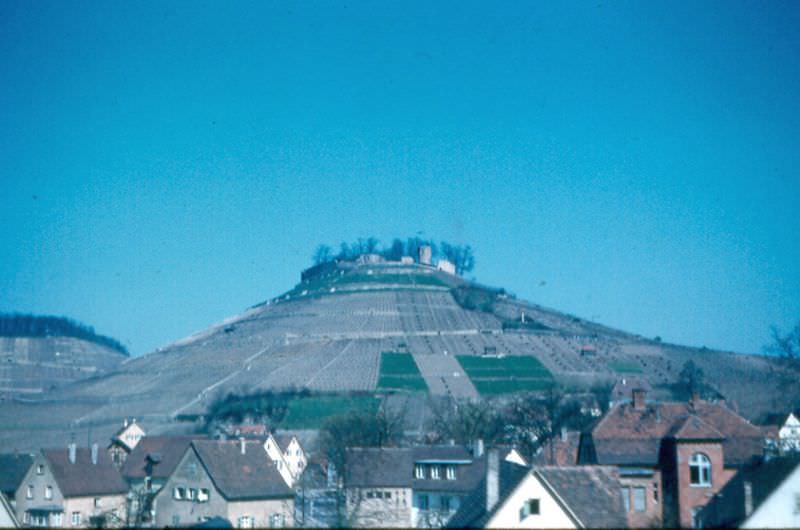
x,y
377,328
40,353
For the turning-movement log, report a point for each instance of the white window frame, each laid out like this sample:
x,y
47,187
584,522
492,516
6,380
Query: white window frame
x,y
178,493
419,471
451,472
76,518
29,493
702,463
40,469
435,473
48,492
203,495
56,519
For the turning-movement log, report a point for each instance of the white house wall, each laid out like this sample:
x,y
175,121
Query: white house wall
x,y
782,508
551,515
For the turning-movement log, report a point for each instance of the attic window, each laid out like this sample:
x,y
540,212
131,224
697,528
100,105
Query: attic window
x,y
700,470
435,473
419,471
451,472
178,493
202,495
40,469
529,507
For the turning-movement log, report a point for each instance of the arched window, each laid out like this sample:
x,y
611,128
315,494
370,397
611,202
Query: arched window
x,y
700,470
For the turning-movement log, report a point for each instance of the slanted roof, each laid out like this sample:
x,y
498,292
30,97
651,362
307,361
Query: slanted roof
x,y
387,467
237,476
727,509
168,449
472,512
469,470
623,388
591,493
627,436
14,467
694,428
560,450
83,478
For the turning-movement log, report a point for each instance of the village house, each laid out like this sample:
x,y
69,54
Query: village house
x,y
672,457
288,455
421,486
72,487
147,469
514,496
124,441
234,480
789,435
765,495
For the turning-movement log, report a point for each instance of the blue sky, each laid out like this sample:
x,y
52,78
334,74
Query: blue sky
x,y
164,165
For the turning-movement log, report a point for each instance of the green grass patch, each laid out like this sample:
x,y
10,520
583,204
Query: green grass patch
x,y
624,367
398,371
506,375
311,412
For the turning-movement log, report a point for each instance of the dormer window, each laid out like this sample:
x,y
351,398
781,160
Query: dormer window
x,y
40,469
419,471
435,473
451,472
700,470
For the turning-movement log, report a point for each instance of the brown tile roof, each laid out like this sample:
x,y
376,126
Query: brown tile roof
x,y
626,436
693,428
165,452
248,476
83,478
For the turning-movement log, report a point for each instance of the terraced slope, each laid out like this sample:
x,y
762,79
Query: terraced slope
x,y
329,334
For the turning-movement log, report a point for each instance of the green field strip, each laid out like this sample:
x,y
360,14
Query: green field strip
x,y
311,412
506,375
398,371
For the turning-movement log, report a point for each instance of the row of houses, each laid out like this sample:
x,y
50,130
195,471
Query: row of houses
x,y
643,464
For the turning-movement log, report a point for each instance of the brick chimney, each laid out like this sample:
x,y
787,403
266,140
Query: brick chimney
x,y
639,395
492,479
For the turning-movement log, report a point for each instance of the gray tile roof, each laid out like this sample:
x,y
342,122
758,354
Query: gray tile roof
x,y
472,513
13,466
83,478
168,449
592,493
241,476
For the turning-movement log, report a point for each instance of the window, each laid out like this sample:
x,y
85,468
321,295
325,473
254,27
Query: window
x,y
451,472
696,522
76,518
245,521
700,470
370,494
97,502
55,519
419,471
148,483
26,518
422,501
444,502
529,507
276,520
655,491
639,499
114,515
48,492
29,495
40,469
178,493
202,495
387,495
435,472
192,494
626,498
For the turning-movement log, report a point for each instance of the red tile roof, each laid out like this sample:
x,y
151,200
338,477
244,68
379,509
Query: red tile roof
x,y
83,478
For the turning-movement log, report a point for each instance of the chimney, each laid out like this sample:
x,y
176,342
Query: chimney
x,y
477,448
563,434
242,445
94,454
492,479
748,498
639,395
124,423
425,255
72,449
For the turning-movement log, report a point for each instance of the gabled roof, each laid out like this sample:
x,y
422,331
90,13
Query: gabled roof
x,y
727,509
560,450
591,493
237,476
14,467
693,428
629,436
83,478
168,450
472,512
394,467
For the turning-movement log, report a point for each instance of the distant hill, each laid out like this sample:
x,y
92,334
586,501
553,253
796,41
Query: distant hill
x,y
24,325
41,353
396,330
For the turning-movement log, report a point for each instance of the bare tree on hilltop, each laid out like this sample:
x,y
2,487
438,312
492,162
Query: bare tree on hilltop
x,y
787,346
